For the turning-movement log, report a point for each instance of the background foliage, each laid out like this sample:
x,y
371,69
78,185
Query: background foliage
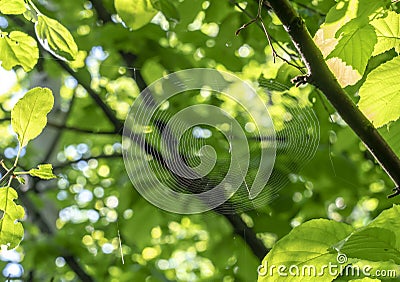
x,y
96,56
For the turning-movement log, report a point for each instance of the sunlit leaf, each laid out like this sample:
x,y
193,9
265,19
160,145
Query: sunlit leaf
x,y
11,230
308,244
20,179
135,13
345,74
391,133
388,33
18,48
44,171
337,17
55,38
12,7
372,243
389,219
347,38
79,61
379,95
355,45
29,115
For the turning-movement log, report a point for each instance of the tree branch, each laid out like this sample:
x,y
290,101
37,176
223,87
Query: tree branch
x,y
72,128
45,228
248,235
85,83
320,75
83,78
239,226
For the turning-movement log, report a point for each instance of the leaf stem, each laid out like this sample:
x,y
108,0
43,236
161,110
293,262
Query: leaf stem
x,y
21,172
18,154
8,173
38,13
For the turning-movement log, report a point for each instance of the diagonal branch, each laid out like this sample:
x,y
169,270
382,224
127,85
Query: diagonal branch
x,y
239,226
83,78
85,83
45,228
320,75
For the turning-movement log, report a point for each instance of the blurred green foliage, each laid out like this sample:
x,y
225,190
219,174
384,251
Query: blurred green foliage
x,y
91,211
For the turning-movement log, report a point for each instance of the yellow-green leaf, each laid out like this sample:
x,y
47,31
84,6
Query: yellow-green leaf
x,y
20,179
308,244
355,45
388,33
11,230
29,115
391,133
12,7
18,48
380,93
346,39
44,171
135,13
55,38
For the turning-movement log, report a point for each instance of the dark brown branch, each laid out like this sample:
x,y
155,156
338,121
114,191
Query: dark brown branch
x,y
81,130
45,228
102,13
85,82
320,75
248,235
73,128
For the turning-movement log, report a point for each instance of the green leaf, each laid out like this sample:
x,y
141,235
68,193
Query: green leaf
x,y
388,33
372,243
20,179
135,13
55,38
18,48
167,8
308,244
379,95
355,45
29,115
12,7
391,133
346,59
389,219
11,230
44,171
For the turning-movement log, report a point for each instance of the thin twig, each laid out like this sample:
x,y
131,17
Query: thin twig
x,y
258,19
